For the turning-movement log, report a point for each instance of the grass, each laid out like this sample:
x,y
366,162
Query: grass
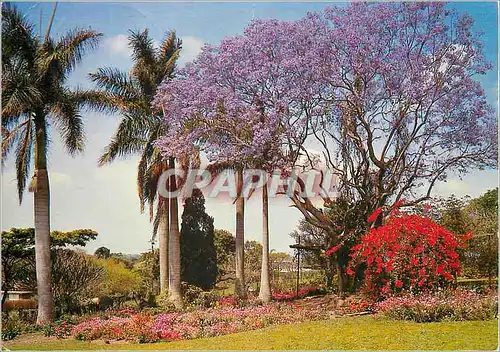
x,y
484,279
353,333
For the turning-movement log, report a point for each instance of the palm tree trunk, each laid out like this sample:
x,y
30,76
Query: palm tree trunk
x,y
239,287
163,233
265,287
42,230
174,246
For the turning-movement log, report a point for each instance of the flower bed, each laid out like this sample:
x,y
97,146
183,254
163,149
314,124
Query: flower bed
x,y
205,323
303,292
456,306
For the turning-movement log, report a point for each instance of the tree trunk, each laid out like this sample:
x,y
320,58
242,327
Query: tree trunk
x,y
163,234
42,230
174,247
342,276
239,287
265,287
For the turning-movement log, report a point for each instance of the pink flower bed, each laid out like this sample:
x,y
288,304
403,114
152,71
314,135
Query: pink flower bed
x,y
289,295
174,326
457,305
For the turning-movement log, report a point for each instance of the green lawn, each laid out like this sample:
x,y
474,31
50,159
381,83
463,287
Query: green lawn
x,y
345,333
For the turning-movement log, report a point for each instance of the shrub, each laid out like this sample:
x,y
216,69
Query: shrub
x,y
195,297
164,303
303,292
456,306
409,252
11,328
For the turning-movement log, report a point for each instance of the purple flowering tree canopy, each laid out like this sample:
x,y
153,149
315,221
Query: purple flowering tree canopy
x,y
388,92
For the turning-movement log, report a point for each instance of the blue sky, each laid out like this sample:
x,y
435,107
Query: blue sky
x,y
104,199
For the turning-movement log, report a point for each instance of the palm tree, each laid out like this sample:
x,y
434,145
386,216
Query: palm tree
x,y
240,288
34,97
265,285
217,168
131,94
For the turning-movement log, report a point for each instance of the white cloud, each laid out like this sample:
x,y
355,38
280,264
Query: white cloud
x,y
117,45
191,47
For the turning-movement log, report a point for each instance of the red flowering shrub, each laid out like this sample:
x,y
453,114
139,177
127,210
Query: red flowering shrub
x,y
409,252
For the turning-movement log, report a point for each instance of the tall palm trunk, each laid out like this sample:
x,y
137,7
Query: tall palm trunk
x,y
239,288
42,228
265,286
163,234
174,247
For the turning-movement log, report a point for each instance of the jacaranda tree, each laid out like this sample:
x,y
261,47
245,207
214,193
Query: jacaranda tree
x,y
387,91
237,102
403,107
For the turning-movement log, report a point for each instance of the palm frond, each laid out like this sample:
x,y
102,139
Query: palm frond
x,y
70,49
19,92
18,38
143,49
169,54
95,100
24,152
130,138
115,83
68,121
145,55
169,46
161,209
10,137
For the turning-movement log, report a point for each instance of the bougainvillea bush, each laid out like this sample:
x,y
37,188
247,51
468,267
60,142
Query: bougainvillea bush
x,y
408,253
203,323
448,305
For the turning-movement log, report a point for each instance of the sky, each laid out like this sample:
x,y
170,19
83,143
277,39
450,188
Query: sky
x,y
105,199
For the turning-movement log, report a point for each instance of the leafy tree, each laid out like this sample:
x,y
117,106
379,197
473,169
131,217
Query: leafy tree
x,y
481,255
18,253
102,252
148,269
224,243
483,212
127,260
198,254
131,94
320,240
34,98
452,215
76,277
279,262
253,260
119,280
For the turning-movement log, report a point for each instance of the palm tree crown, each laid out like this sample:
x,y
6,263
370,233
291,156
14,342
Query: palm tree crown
x,y
131,94
34,91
